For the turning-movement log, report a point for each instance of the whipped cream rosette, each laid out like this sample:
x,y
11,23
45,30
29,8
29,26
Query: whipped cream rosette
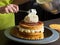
x,y
32,17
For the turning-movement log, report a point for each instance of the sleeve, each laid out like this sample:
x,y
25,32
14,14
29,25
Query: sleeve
x,y
5,2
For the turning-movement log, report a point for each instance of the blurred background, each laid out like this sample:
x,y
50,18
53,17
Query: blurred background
x,y
43,14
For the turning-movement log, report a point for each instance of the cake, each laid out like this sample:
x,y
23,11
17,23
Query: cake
x,y
30,28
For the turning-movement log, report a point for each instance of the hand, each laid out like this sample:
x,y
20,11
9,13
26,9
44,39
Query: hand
x,y
12,8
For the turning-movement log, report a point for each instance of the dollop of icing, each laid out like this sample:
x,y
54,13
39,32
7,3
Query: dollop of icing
x,y
31,17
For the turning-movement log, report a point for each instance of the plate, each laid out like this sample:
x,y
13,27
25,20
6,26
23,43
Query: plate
x,y
49,37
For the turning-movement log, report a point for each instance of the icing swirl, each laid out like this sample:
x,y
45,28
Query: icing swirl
x,y
32,17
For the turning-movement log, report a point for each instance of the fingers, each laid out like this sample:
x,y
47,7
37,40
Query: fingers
x,y
12,8
17,8
6,9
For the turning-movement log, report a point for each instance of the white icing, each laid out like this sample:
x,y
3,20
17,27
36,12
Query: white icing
x,y
33,11
31,31
32,17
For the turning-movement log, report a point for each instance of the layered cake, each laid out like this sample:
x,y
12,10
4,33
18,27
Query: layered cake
x,y
30,28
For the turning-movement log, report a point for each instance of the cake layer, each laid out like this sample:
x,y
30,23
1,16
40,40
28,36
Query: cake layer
x,y
32,26
32,37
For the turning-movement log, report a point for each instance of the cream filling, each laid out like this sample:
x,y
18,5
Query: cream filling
x,y
31,31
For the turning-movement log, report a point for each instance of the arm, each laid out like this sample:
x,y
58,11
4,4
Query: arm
x,y
12,8
19,2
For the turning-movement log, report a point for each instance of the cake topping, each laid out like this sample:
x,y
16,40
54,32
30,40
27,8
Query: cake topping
x,y
31,17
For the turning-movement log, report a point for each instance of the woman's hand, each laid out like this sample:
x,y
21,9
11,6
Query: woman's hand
x,y
12,8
